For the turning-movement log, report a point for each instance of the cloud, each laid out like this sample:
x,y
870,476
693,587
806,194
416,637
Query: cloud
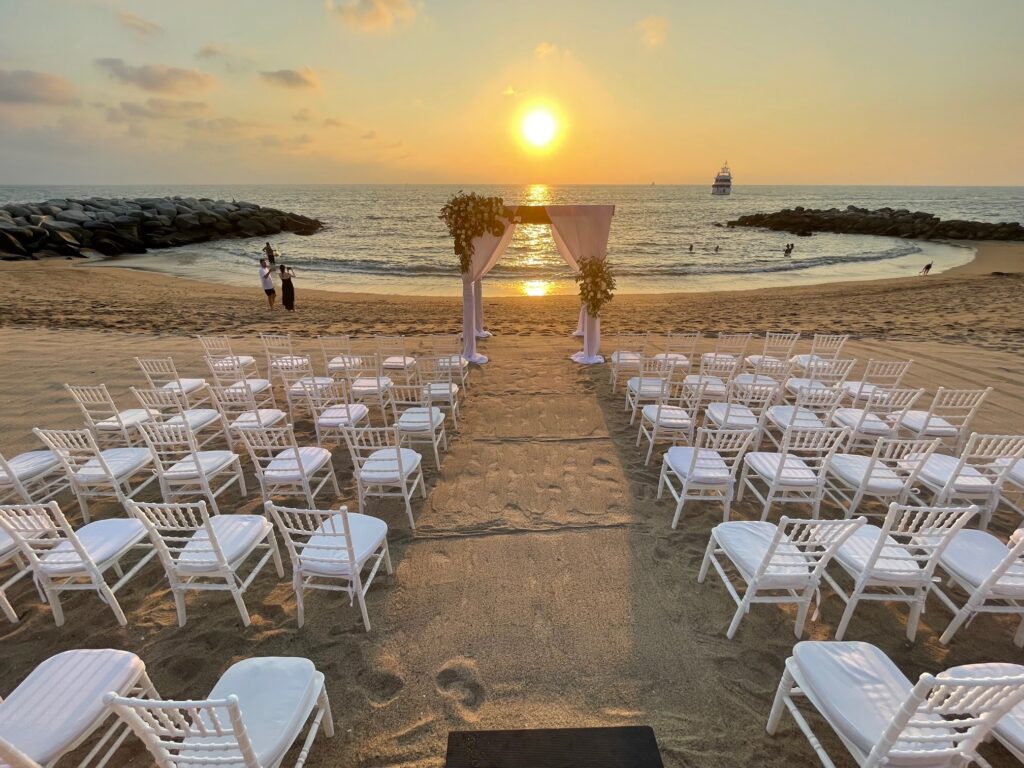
x,y
279,142
543,50
155,109
23,86
140,26
156,77
330,122
369,136
373,15
303,115
291,78
212,51
653,30
221,127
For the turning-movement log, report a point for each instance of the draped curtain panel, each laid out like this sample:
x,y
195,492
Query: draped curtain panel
x,y
487,250
581,232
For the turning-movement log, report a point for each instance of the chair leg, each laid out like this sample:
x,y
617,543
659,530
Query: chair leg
x,y
801,613
661,481
708,554
53,598
851,605
328,720
916,608
958,621
781,695
83,505
387,559
300,608
741,611
236,593
179,605
109,598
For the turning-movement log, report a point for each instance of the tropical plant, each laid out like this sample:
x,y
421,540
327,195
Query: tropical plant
x,y
596,283
470,215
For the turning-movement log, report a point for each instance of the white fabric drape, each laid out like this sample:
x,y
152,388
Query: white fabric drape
x,y
581,232
478,309
487,250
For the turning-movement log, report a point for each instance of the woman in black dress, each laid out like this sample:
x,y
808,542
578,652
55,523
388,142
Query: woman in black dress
x,y
287,289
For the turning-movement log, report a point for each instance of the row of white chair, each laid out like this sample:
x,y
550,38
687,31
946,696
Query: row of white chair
x,y
251,718
331,550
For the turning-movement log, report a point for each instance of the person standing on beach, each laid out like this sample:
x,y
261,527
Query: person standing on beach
x,y
926,269
268,282
271,253
287,289
691,247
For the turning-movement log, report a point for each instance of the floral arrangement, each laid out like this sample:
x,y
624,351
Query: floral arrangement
x,y
470,215
596,284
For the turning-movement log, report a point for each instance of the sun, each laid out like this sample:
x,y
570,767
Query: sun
x,y
539,128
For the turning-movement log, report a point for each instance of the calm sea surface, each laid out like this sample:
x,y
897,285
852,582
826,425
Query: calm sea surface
x,y
388,239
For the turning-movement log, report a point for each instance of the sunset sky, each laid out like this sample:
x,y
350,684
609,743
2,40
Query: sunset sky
x,y
352,91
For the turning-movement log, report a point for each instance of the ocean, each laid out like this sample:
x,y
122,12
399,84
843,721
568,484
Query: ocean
x,y
388,239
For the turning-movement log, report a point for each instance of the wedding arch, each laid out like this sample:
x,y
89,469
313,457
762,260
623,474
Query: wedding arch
x,y
580,233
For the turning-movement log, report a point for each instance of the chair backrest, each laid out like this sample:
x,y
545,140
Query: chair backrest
x,y
232,402
832,372
728,444
886,373
366,364
74,448
828,345
12,757
277,344
293,368
816,446
943,720
434,370
266,443
364,441
162,399
902,457
95,402
334,347
894,402
314,536
39,528
920,534
683,343
628,342
823,402
158,370
216,346
189,734
779,344
732,343
722,366
755,397
957,406
169,444
172,528
802,548
391,346
445,345
1008,576
320,397
993,455
776,368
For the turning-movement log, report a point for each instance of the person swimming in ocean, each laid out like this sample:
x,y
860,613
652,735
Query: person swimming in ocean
x,y
926,268
271,253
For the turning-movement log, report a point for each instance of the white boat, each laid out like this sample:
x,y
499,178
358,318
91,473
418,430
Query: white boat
x,y
723,182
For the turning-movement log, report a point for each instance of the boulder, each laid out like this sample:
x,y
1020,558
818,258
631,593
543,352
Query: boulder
x,y
11,246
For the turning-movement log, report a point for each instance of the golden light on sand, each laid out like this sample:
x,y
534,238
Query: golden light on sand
x,y
539,127
536,287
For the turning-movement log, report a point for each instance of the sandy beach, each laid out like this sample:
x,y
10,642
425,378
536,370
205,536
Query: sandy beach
x,y
543,586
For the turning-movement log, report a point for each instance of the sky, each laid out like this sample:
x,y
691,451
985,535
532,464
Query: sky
x,y
434,91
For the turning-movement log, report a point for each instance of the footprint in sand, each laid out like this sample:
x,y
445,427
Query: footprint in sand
x,y
459,681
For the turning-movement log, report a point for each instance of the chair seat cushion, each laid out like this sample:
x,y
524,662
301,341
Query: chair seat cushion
x,y
796,383
731,416
1010,727
186,385
418,419
747,542
871,424
261,417
859,390
196,418
857,687
62,698
755,361
284,468
342,415
1015,476
626,359
795,472
894,565
123,462
326,555
236,535
128,418
275,695
852,469
807,361
669,417
677,359
370,385
719,357
398,362
256,386
784,416
210,462
381,467
646,387
939,468
452,362
344,363
713,385
936,425
972,555
28,465
7,545
710,468
320,382
289,361
101,539
442,390
231,362
756,379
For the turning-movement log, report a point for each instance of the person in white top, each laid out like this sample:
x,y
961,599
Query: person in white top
x,y
268,282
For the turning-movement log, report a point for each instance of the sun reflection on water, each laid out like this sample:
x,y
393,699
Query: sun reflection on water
x,y
536,287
